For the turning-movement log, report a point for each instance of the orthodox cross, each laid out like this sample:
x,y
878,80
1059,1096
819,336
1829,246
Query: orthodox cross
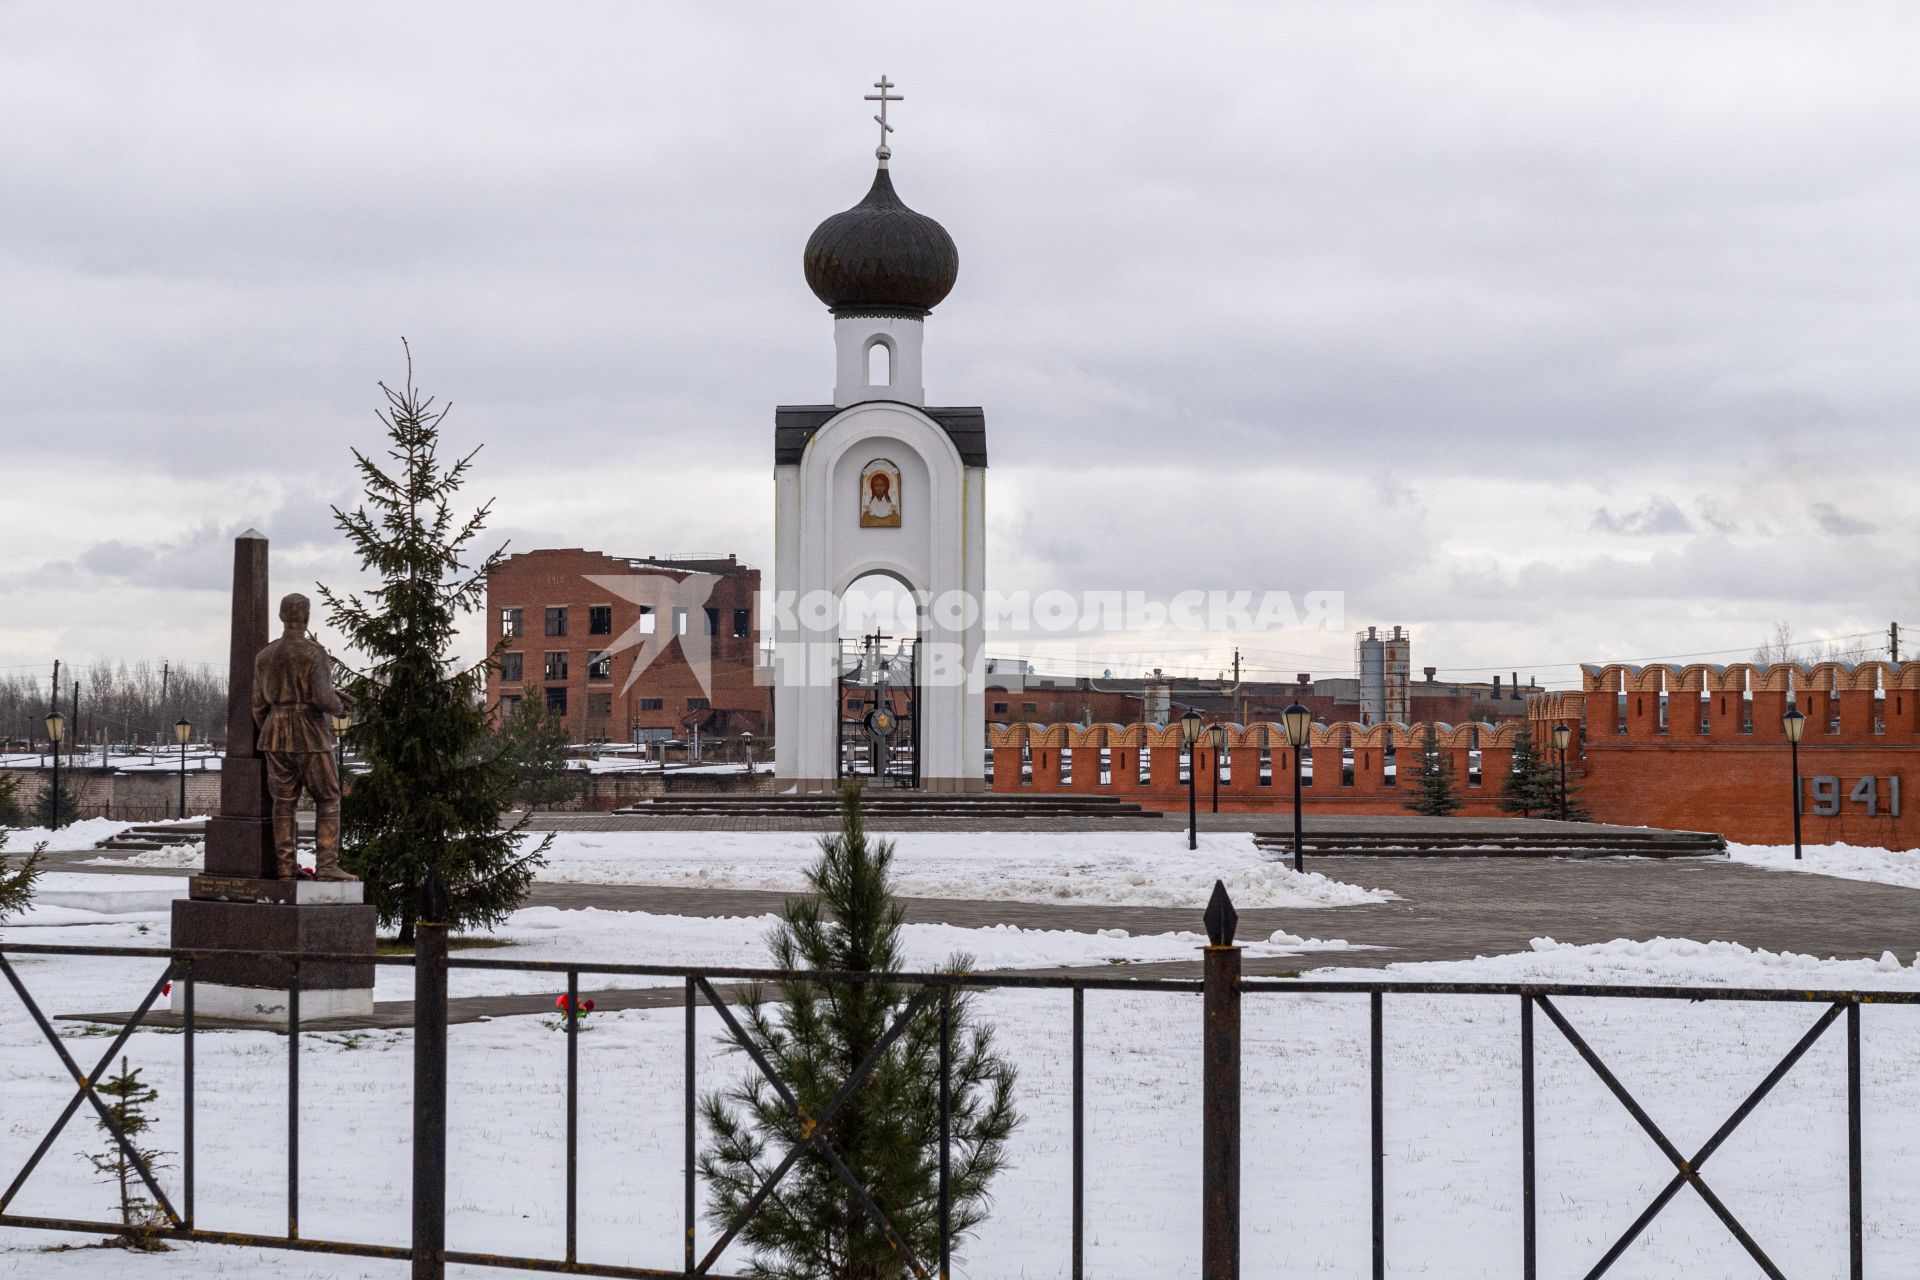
x,y
883,98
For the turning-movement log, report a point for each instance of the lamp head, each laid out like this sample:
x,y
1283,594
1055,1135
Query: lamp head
x,y
1562,735
341,721
1794,723
1217,737
56,726
1299,723
183,731
1190,727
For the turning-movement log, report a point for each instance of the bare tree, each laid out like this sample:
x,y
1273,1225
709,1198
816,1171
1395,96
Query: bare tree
x,y
1781,647
121,703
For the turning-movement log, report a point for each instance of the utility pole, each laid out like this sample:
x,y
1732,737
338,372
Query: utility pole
x,y
1893,642
53,704
73,734
1239,699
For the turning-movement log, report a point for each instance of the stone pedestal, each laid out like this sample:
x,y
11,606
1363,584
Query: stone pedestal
x,y
297,917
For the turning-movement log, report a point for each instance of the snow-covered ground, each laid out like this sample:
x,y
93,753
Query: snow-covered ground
x,y
617,937
1119,868
198,758
1126,868
1847,861
1452,1117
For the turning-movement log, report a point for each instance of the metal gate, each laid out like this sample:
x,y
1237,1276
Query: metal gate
x,y
879,722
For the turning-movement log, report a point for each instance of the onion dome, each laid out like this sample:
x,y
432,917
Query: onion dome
x,y
881,258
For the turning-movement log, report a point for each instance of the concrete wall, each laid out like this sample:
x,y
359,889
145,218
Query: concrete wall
x,y
135,797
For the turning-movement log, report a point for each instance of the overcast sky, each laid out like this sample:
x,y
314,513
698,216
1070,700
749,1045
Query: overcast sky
x,y
1551,331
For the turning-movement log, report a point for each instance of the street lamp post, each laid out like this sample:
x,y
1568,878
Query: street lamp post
x,y
56,729
342,721
1795,724
182,731
1561,736
1299,723
1190,737
1217,740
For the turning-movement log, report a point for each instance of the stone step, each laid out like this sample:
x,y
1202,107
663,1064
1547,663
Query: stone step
x,y
1672,844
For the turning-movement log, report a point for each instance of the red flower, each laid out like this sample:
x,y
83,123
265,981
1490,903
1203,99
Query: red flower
x,y
586,1006
561,1003
166,989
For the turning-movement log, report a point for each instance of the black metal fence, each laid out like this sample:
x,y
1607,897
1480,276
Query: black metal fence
x,y
1222,989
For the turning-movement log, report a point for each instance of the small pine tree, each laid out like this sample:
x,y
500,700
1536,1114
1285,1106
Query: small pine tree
x,y
432,785
16,882
12,812
888,1131
1528,791
1435,794
1533,784
43,806
533,741
127,1096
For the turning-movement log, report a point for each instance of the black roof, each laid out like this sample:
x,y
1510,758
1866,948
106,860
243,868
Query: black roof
x,y
794,425
881,258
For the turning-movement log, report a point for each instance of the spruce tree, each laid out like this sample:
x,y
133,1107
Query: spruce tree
x,y
12,812
888,1130
1533,782
433,785
43,805
127,1096
534,741
1435,794
17,881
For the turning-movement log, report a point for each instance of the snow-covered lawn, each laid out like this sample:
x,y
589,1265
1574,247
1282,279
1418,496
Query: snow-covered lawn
x,y
1847,861
1120,868
1452,1121
1126,868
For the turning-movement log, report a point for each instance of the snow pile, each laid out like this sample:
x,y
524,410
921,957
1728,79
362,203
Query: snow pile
x,y
1124,868
1846,861
1670,962
637,937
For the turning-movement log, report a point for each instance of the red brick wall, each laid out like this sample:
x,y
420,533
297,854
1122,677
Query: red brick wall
x,y
1369,791
1655,766
1724,780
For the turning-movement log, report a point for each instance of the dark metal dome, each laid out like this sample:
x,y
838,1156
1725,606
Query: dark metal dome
x,y
881,258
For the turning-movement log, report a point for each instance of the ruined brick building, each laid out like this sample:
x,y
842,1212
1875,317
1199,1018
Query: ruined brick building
x,y
577,624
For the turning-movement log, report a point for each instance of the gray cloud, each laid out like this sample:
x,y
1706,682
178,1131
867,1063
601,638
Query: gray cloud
x,y
1840,524
1659,515
1450,250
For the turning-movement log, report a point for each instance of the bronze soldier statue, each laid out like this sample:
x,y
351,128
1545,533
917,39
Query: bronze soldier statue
x,y
293,695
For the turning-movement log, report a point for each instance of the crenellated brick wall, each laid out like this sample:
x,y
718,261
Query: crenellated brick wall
x,y
1703,746
1355,769
1697,748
